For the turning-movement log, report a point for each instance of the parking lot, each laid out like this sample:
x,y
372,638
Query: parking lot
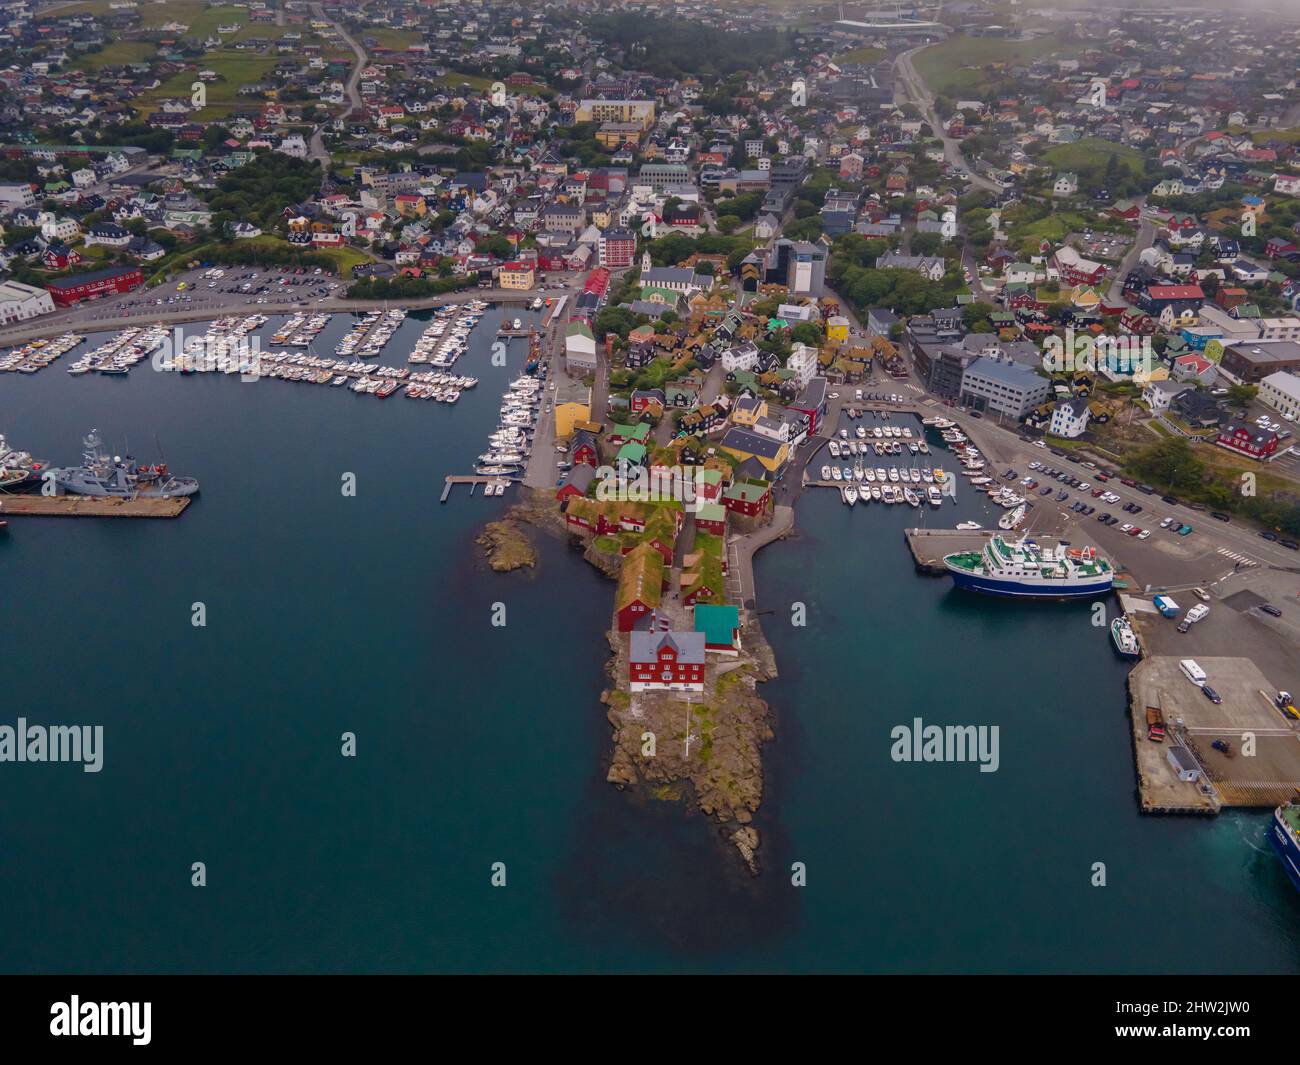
x,y
1210,551
223,289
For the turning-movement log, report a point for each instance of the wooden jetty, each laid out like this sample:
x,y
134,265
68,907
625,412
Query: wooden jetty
x,y
472,480
74,506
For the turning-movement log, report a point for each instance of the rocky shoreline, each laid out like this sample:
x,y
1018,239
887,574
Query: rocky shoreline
x,y
507,546
706,749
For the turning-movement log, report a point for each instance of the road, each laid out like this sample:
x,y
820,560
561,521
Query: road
x,y
317,148
917,93
135,308
1146,236
354,79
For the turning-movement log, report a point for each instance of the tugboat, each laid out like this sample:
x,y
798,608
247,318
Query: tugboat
x,y
100,475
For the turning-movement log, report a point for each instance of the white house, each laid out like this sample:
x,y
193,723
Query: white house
x,y
1066,185
803,364
741,357
1069,418
1159,394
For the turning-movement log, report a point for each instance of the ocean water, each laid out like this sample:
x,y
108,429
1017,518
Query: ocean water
x,y
479,744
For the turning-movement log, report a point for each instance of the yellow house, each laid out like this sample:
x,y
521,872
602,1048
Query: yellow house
x,y
748,410
516,275
572,405
837,328
743,444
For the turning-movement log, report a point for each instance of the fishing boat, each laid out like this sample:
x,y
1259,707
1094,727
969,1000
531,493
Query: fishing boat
x,y
1124,638
969,526
850,494
1024,569
826,473
934,496
911,497
836,474
1012,519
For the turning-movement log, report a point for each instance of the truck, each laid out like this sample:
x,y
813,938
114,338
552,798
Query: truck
x,y
1166,606
1155,725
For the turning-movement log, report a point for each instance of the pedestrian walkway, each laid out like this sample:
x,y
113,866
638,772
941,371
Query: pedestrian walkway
x,y
1241,560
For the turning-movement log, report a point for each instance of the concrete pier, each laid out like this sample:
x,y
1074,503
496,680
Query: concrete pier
x,y
74,506
928,546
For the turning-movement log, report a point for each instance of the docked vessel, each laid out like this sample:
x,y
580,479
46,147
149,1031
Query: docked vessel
x,y
1013,518
1024,569
102,475
1124,638
17,468
1285,837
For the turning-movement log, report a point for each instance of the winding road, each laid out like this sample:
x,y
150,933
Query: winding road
x,y
317,148
915,91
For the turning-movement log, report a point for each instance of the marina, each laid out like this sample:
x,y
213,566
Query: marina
x,y
37,354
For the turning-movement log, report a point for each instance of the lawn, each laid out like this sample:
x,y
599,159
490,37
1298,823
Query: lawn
x,y
384,37
1092,154
956,65
117,54
865,54
344,258
236,69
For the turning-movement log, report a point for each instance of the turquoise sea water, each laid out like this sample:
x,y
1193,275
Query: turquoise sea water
x,y
479,744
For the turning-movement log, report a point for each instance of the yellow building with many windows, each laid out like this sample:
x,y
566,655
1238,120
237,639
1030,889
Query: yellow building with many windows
x,y
516,276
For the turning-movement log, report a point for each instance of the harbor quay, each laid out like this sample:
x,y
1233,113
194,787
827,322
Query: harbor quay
x,y
36,505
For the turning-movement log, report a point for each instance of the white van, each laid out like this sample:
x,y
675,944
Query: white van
x,y
1192,672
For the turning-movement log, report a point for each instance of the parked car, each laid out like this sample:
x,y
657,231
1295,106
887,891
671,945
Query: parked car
x,y
1144,534
1290,544
1271,610
1218,515
1211,694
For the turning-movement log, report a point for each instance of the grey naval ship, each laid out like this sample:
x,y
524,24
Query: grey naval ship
x,y
102,475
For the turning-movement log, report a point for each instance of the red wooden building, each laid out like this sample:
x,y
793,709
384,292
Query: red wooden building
x,y
68,291
666,661
1248,440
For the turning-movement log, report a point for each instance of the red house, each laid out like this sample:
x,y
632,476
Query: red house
x,y
747,497
70,291
60,257
1248,440
666,661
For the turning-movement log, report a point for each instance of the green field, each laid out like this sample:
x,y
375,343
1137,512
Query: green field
x,y
1092,154
236,69
200,19
956,65
117,54
866,54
